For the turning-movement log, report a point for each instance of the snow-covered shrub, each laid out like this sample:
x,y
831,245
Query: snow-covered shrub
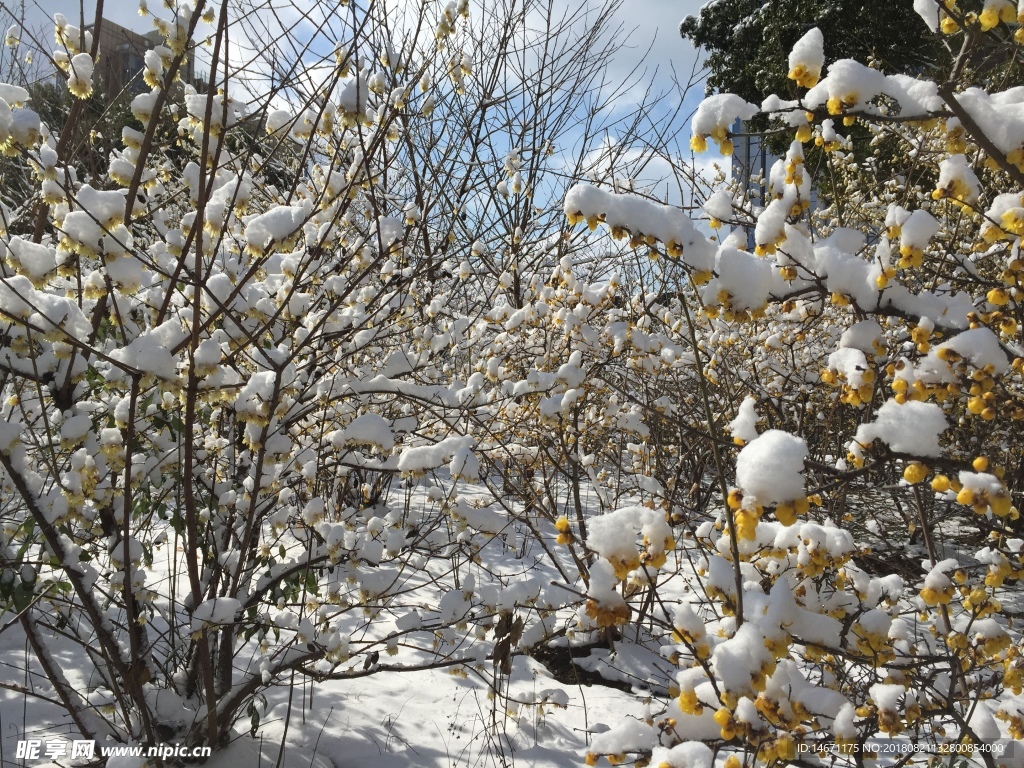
x,y
250,428
319,382
866,358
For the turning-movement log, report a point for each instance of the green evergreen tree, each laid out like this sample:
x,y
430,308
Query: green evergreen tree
x,y
748,41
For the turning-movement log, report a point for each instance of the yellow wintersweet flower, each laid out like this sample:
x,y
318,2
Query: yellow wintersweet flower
x,y
804,77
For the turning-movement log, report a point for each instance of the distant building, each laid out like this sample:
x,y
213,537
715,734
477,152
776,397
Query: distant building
x,y
122,56
751,159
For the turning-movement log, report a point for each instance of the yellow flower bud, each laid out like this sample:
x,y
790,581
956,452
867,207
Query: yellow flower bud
x,y
915,473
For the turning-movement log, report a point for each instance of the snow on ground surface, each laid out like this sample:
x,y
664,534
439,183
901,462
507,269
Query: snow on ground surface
x,y
437,718
390,719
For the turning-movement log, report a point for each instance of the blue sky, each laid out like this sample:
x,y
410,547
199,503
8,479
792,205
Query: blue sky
x,y
654,43
656,23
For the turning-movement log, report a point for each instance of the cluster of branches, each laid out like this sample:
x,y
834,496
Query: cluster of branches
x,y
224,321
